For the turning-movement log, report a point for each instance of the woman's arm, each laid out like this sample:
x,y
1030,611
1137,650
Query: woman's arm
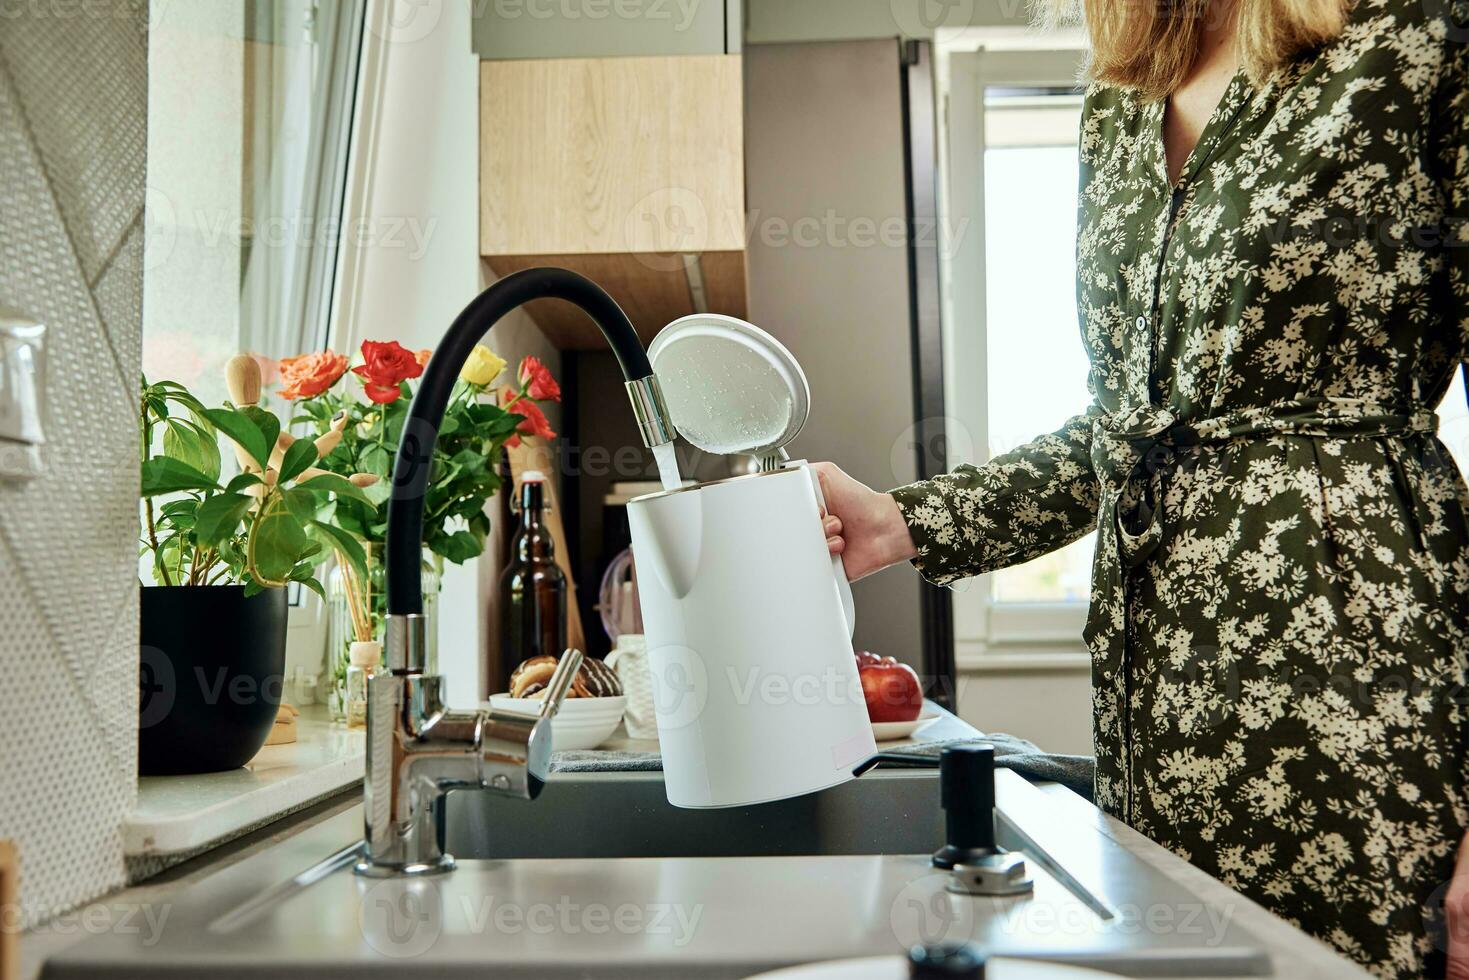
x,y
1016,507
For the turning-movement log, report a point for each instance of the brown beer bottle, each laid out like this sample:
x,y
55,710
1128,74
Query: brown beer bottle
x,y
532,588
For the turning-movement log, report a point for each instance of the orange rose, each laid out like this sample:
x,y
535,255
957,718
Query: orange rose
x,y
309,375
422,357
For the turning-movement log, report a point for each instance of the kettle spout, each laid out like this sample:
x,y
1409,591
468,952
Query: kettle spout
x,y
675,529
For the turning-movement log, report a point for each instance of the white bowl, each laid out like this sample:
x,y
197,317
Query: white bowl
x,y
582,723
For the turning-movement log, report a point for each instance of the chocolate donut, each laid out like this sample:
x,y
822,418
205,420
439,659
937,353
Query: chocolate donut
x,y
599,680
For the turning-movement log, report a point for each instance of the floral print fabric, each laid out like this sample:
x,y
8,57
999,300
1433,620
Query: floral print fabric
x,y
1279,623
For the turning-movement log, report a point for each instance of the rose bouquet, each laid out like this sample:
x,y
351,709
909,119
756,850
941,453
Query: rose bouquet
x,y
479,422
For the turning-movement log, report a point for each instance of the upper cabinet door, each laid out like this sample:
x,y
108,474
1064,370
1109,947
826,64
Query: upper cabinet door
x,y
516,29
611,155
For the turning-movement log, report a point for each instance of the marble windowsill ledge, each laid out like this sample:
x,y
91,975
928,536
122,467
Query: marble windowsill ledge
x,y
182,814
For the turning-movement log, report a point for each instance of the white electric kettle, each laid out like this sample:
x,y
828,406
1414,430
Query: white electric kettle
x,y
748,617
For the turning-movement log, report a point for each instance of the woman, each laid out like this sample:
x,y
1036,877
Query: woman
x,y
1273,270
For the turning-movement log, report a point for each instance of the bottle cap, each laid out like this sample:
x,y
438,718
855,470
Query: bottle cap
x,y
365,653
532,476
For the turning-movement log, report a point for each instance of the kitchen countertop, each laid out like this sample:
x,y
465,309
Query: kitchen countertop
x,y
853,905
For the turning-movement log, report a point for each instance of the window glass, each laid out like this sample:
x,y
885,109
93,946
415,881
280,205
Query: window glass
x,y
1036,361
249,106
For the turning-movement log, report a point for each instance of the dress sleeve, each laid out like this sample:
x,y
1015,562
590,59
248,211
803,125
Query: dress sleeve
x,y
1452,151
1009,510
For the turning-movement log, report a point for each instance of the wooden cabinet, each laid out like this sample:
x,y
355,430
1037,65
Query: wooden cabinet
x,y
628,170
517,29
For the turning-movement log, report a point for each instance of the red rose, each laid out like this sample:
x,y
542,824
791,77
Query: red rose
x,y
534,420
542,386
384,367
310,374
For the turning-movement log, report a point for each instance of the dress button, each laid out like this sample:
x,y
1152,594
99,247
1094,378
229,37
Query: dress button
x,y
1142,323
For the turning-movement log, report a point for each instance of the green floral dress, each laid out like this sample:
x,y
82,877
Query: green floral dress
x,y
1279,620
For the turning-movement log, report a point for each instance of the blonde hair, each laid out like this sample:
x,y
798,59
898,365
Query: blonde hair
x,y
1150,45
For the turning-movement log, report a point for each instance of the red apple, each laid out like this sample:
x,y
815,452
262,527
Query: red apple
x,y
891,689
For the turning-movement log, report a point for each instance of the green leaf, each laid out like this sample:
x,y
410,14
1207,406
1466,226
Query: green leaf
x,y
191,445
242,481
219,517
164,474
458,547
337,484
302,503
297,460
378,492
279,543
246,434
267,423
349,547
470,461
309,581
180,394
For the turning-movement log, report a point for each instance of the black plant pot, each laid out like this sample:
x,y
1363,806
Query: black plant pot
x,y
213,662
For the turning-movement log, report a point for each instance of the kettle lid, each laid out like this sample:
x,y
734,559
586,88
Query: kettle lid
x,y
730,386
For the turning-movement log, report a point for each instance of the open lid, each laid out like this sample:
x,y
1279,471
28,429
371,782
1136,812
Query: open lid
x,y
730,386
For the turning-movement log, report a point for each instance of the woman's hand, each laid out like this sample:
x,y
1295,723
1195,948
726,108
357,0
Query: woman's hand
x,y
863,526
1456,915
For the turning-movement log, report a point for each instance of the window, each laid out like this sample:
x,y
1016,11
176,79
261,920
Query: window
x,y
1009,200
249,108
249,113
1030,171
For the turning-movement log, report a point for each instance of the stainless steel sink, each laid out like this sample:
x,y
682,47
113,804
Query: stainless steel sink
x,y
601,878
591,815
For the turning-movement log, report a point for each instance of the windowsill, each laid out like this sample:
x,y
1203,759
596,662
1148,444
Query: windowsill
x,y
178,814
975,657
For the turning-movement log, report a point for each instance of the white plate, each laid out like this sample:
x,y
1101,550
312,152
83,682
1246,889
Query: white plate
x,y
890,731
896,968
582,723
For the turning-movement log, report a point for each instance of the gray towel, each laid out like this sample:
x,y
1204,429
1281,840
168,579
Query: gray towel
x,y
1075,772
1072,771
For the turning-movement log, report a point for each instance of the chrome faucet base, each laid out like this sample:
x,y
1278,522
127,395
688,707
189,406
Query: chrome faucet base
x,y
368,868
417,750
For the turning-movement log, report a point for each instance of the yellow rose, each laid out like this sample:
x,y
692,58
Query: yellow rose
x,y
482,367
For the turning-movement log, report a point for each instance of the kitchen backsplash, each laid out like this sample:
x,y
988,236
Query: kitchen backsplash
x,y
73,123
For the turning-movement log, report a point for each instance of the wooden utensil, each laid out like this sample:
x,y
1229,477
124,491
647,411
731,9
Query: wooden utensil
x,y
242,378
9,899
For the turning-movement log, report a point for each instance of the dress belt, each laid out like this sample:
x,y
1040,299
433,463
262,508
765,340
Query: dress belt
x,y
1131,452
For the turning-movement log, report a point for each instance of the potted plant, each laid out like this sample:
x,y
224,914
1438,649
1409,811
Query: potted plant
x,y
479,423
220,551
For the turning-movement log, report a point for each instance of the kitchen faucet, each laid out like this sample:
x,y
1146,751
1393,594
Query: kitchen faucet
x,y
417,750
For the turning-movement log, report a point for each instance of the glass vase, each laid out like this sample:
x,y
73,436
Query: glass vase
x,y
341,633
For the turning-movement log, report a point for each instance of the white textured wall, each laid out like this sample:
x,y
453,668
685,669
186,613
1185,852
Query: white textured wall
x,y
73,110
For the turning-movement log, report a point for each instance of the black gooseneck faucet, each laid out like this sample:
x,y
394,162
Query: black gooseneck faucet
x,y
416,748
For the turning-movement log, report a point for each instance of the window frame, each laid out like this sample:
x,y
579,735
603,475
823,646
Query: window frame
x,y
989,635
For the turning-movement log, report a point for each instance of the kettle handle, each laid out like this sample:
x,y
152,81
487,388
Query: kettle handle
x,y
839,570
